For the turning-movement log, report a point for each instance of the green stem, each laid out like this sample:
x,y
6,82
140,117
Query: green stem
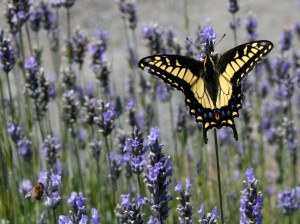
x,y
172,126
234,30
29,39
140,186
10,99
219,178
54,216
75,150
110,168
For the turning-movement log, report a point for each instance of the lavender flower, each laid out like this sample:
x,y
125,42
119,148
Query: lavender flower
x,y
69,78
7,60
163,91
128,12
210,217
70,107
99,63
116,161
185,208
130,211
290,138
289,200
172,45
78,47
89,110
77,201
209,41
25,149
250,25
136,150
95,216
153,220
281,68
285,40
157,182
32,79
50,149
233,6
95,148
154,134
15,133
181,119
25,186
154,39
17,13
64,220
105,118
51,182
251,200
131,112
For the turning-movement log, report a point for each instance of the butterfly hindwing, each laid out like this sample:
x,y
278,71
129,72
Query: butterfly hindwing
x,y
178,71
236,63
214,114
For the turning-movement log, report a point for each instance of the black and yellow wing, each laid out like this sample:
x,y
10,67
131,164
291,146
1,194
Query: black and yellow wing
x,y
212,88
178,71
236,63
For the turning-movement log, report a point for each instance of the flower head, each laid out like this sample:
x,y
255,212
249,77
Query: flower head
x,y
7,60
233,6
210,217
130,210
251,200
105,118
25,149
250,25
289,200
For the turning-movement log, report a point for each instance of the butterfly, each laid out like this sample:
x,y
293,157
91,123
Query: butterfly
x,y
212,87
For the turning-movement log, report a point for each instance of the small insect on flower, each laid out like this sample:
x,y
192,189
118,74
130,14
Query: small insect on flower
x,y
36,192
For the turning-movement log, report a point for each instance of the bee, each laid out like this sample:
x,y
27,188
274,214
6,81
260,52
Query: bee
x,y
36,192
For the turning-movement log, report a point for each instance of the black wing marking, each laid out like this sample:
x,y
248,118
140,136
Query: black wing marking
x,y
178,71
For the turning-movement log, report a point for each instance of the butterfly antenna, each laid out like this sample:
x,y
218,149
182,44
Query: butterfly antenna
x,y
198,48
220,40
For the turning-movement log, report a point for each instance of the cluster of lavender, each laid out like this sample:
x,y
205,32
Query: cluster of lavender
x,y
99,63
156,178
185,208
24,145
51,147
130,212
251,200
128,11
38,87
135,148
78,214
209,217
6,53
289,201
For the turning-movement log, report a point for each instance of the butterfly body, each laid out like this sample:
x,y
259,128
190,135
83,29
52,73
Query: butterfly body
x,y
212,87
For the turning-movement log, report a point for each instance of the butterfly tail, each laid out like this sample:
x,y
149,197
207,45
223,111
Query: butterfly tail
x,y
205,134
234,131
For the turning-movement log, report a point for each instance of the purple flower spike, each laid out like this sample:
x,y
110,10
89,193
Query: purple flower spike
x,y
251,200
125,200
208,33
178,187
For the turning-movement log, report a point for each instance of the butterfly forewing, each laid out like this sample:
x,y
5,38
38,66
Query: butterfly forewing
x,y
178,71
236,63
